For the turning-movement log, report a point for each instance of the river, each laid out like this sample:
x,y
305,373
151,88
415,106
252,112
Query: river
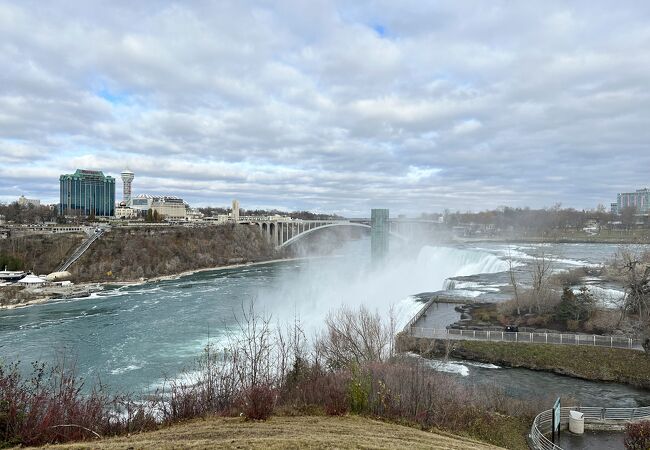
x,y
133,337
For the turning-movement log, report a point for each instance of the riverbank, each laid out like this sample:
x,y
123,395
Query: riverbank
x,y
186,273
585,362
86,289
641,236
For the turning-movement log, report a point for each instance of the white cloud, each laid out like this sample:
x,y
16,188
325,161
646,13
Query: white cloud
x,y
467,126
453,104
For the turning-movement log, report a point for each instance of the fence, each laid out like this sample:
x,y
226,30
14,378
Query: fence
x,y
526,337
419,314
592,415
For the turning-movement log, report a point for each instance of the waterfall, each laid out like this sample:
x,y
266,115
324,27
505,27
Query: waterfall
x,y
324,287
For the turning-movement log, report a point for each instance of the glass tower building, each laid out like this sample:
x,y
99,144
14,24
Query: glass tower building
x,y
87,192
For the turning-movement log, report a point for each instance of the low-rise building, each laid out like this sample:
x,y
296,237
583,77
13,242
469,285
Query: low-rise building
x,y
122,211
25,202
171,208
193,215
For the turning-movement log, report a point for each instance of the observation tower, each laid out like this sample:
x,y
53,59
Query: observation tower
x,y
127,179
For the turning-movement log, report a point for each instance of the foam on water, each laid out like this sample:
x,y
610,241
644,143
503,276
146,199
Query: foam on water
x,y
450,367
121,370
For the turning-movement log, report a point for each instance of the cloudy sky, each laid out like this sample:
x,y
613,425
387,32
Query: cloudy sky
x,y
330,106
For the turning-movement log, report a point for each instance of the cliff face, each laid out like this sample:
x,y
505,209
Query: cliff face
x,y
40,253
131,254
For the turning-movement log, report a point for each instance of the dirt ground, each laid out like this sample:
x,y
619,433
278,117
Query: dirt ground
x,y
310,432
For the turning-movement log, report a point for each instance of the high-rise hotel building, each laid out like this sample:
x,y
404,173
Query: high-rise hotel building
x,y
87,192
640,200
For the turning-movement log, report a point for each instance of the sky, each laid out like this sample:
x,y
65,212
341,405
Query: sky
x,y
336,107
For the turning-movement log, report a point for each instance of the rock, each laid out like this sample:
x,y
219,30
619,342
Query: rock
x,y
58,276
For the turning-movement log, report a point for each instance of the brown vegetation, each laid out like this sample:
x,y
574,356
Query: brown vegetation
x,y
313,432
267,370
637,436
29,214
134,253
632,268
41,253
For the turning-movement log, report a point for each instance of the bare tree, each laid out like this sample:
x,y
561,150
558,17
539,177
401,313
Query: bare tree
x,y
636,280
513,281
540,281
291,352
252,346
354,337
628,216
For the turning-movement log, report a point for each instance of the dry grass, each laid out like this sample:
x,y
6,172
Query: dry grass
x,y
314,432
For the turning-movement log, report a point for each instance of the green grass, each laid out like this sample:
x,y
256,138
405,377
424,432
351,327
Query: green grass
x,y
593,363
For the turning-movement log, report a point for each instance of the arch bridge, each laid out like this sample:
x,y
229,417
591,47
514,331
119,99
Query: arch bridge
x,y
283,232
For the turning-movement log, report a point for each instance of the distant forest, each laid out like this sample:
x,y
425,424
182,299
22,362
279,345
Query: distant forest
x,y
304,215
554,218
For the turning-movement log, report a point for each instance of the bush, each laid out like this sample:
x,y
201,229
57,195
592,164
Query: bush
x,y
603,321
258,402
637,436
572,325
360,387
575,307
49,407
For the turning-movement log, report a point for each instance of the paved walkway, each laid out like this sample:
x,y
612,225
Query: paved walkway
x,y
592,440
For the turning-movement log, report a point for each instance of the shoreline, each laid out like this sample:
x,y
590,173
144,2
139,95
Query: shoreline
x,y
101,285
176,276
623,366
542,240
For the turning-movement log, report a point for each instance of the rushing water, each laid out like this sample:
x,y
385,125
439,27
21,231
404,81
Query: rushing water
x,y
525,384
133,337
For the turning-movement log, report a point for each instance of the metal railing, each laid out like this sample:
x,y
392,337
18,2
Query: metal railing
x,y
528,337
419,314
592,415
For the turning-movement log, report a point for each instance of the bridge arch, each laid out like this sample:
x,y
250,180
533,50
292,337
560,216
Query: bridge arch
x,y
330,225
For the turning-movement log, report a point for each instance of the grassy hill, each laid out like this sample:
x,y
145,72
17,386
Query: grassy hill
x,y
313,432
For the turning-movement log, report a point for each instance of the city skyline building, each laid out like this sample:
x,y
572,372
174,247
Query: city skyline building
x,y
127,180
640,199
235,210
87,192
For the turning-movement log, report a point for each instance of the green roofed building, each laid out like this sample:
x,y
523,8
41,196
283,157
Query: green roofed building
x,y
87,192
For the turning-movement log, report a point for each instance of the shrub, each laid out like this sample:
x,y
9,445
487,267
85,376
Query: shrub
x,y
50,407
258,402
359,391
603,321
572,325
316,387
336,401
637,436
575,307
